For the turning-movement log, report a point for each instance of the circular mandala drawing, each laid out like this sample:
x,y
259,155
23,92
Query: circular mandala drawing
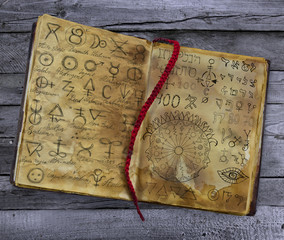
x,y
179,146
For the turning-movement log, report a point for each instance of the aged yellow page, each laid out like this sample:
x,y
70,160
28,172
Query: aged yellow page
x,y
85,89
200,143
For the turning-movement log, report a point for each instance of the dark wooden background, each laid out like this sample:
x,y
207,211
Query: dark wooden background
x,y
249,27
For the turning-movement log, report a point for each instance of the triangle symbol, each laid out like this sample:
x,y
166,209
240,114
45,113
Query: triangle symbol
x,y
222,76
33,147
163,120
90,85
162,192
188,194
56,111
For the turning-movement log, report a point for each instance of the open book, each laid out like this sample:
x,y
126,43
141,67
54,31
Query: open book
x,y
199,145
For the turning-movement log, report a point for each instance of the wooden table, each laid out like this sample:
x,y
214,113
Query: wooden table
x,y
247,27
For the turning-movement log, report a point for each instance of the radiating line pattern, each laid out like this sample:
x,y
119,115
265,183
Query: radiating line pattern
x,y
178,150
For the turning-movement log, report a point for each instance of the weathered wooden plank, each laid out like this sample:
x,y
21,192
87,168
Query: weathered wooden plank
x,y
11,88
147,15
272,164
14,52
274,120
125,224
11,198
14,47
275,87
9,116
7,154
270,192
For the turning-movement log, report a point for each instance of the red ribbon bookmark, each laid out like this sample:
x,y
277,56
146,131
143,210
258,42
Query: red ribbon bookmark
x,y
143,112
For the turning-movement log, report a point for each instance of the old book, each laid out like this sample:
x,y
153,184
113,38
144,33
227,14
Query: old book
x,y
199,145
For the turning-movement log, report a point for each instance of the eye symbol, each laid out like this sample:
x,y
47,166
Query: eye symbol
x,y
232,175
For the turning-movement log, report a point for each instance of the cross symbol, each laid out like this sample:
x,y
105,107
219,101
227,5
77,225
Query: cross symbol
x,y
119,46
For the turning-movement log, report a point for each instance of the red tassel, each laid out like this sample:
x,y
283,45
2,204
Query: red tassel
x,y
143,112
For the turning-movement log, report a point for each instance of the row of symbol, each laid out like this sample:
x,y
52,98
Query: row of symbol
x,y
233,118
70,63
77,36
221,103
35,148
164,191
90,89
36,175
235,64
192,86
236,139
56,114
184,57
237,92
226,196
242,80
238,159
174,101
225,90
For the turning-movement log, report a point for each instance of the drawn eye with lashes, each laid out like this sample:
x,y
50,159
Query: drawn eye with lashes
x,y
232,175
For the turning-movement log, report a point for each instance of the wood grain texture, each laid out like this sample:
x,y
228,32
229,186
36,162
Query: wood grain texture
x,y
11,88
125,224
7,154
272,164
269,45
127,15
274,120
9,116
12,198
275,87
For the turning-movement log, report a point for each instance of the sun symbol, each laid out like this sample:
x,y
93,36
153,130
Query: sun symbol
x,y
178,148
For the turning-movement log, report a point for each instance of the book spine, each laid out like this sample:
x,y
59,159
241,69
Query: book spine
x,y
252,209
20,121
